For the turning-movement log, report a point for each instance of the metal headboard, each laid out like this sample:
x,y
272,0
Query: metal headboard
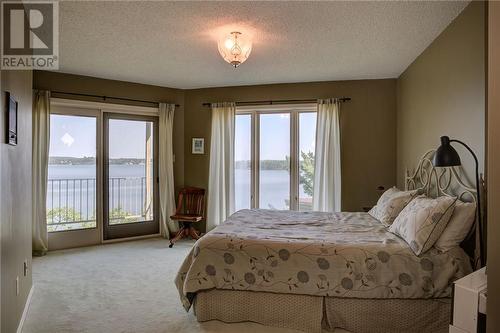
x,y
435,182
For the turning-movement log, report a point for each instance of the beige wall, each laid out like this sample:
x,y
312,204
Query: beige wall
x,y
88,85
368,127
443,93
493,324
368,123
15,201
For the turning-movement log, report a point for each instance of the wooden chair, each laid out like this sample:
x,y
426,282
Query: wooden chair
x,y
190,209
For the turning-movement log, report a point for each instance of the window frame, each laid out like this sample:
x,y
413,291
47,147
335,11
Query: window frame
x,y
294,110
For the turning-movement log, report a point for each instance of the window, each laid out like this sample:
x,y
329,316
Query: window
x,y
243,160
274,157
307,138
274,160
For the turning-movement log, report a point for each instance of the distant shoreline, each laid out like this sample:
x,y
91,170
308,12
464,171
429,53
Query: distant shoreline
x,y
65,160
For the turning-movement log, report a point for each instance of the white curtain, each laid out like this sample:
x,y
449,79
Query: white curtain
x,y
40,165
327,172
221,176
166,169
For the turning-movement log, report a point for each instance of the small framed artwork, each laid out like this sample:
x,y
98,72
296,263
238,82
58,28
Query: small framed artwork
x,y
11,107
198,146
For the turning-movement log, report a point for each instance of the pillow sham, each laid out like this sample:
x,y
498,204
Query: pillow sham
x,y
458,227
422,221
390,204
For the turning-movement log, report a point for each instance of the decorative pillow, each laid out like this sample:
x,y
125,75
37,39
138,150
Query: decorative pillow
x,y
458,227
422,221
390,204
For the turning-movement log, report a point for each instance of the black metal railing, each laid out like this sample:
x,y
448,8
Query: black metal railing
x,y
73,201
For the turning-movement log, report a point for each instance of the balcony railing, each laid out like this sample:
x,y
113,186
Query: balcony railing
x,y
71,203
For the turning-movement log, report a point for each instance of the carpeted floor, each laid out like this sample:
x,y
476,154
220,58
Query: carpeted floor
x,y
121,287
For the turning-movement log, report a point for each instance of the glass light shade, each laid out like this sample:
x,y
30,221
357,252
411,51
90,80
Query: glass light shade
x,y
235,48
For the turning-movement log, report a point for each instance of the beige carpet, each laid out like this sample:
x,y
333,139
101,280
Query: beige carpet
x,y
122,287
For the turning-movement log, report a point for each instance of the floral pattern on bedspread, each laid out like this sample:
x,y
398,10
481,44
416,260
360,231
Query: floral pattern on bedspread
x,y
314,253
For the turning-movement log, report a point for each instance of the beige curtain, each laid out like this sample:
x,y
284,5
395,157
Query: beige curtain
x,y
40,163
327,172
221,174
166,169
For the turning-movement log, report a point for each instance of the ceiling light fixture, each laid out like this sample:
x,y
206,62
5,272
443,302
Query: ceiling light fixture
x,y
235,48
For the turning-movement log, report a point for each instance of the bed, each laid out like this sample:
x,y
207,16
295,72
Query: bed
x,y
313,270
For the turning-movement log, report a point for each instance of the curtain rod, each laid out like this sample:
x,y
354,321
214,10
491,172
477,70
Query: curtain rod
x,y
104,98
282,101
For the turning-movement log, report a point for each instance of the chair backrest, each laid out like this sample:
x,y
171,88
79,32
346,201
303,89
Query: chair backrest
x,y
191,201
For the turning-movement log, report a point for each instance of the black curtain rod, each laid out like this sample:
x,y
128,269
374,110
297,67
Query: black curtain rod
x,y
282,101
104,98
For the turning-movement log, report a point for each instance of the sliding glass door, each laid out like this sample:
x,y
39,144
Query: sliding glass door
x,y
130,176
71,187
73,178
102,175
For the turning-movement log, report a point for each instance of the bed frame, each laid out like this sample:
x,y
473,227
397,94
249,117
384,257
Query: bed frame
x,y
314,313
439,181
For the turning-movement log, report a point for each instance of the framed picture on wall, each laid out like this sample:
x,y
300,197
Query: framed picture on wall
x,y
198,146
11,108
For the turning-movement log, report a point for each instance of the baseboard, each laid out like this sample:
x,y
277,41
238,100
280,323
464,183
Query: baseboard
x,y
25,311
126,239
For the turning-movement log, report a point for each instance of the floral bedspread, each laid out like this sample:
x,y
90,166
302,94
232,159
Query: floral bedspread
x,y
313,253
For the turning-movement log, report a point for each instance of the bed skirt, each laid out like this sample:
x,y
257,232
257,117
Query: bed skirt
x,y
314,313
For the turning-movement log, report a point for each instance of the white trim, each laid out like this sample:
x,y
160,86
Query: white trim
x,y
125,239
25,311
309,107
104,107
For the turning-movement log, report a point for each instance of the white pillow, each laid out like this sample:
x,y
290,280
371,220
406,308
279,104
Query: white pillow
x,y
390,204
458,227
422,221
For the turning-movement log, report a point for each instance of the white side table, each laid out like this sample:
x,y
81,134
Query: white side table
x,y
469,302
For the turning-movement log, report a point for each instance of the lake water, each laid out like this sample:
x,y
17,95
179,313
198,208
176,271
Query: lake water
x,y
274,189
74,186
88,171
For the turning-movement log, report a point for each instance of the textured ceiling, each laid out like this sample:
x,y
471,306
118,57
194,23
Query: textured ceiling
x,y
173,44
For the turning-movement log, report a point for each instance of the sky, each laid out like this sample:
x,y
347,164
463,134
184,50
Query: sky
x,y
274,135
75,136
72,136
